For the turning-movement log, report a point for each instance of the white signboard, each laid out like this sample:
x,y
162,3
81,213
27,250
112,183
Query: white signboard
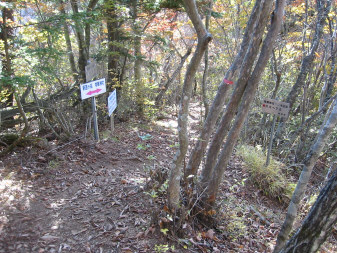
x,y
112,102
278,108
93,88
91,70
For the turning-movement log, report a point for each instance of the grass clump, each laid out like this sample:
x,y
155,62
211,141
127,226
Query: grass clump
x,y
269,179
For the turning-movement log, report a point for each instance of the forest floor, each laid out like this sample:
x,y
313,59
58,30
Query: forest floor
x,y
83,196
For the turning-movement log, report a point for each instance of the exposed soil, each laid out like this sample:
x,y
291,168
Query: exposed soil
x,y
83,196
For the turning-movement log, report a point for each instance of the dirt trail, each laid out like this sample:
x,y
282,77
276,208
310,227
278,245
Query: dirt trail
x,y
83,196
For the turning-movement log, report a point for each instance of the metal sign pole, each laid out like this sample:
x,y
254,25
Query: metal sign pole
x,y
112,124
94,112
271,141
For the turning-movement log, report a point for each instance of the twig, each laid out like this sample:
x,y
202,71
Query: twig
x,y
63,145
262,218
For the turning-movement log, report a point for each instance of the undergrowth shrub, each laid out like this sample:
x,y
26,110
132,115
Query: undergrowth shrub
x,y
269,179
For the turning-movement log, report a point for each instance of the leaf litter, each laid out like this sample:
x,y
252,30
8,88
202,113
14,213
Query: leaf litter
x,y
92,197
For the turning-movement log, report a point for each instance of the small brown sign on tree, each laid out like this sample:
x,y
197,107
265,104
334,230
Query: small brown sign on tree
x,y
278,108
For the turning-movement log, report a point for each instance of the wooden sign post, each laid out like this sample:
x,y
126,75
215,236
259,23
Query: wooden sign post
x,y
92,89
279,109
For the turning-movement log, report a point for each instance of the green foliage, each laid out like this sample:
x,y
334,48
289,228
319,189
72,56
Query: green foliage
x,y
53,164
235,221
172,4
161,248
141,146
270,180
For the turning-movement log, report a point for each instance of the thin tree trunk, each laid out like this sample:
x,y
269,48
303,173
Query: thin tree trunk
x,y
24,131
68,43
234,102
87,29
319,223
82,51
262,123
203,39
308,165
219,100
314,116
165,87
137,43
31,107
333,70
113,37
205,74
323,8
212,188
6,35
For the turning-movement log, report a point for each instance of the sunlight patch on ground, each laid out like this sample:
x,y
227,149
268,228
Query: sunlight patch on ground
x,y
14,196
171,124
58,203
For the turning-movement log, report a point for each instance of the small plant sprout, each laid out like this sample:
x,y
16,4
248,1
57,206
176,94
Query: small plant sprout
x,y
151,157
164,231
145,137
161,248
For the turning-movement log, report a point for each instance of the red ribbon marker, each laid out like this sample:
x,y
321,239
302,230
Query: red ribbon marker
x,y
227,81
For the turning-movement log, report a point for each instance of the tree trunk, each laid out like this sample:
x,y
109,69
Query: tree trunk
x,y
319,223
82,51
203,39
333,71
9,113
87,29
6,35
212,188
164,88
234,102
219,100
68,43
113,80
23,132
323,8
137,43
308,165
205,74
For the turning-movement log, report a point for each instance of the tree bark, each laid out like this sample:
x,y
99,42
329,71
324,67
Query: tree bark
x,y
10,112
137,44
319,223
87,29
234,102
82,50
308,165
68,43
333,70
205,74
212,188
165,87
113,80
203,39
219,100
6,35
23,132
323,8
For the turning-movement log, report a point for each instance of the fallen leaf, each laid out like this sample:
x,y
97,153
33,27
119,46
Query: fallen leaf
x,y
49,237
127,250
210,234
139,235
